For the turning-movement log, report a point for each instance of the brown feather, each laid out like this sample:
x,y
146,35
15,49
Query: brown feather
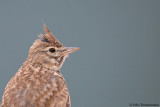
x,y
39,83
36,87
50,37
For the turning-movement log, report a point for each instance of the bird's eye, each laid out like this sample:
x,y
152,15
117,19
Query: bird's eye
x,y
52,50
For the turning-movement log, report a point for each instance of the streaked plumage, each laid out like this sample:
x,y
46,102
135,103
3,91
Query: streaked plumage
x,y
39,83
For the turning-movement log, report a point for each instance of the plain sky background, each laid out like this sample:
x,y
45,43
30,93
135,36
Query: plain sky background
x,y
119,60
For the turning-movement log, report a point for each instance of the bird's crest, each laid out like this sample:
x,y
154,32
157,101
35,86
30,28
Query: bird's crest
x,y
49,37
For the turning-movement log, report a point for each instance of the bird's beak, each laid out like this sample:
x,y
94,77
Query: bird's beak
x,y
70,50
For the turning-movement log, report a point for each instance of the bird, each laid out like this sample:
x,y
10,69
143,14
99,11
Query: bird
x,y
39,82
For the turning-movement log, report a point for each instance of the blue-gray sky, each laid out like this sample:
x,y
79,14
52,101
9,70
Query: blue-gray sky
x,y
119,60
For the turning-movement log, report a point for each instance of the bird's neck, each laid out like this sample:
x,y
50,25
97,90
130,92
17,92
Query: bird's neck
x,y
41,63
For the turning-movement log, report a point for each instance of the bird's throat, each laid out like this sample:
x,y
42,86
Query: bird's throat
x,y
51,64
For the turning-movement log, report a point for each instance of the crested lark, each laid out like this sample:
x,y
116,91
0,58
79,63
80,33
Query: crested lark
x,y
39,83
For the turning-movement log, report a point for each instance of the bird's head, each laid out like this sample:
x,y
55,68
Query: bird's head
x,y
48,52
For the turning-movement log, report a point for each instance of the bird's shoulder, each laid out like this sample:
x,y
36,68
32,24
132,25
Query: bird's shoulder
x,y
35,86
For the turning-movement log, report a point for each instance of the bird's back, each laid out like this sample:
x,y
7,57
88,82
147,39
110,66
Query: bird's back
x,y
34,86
